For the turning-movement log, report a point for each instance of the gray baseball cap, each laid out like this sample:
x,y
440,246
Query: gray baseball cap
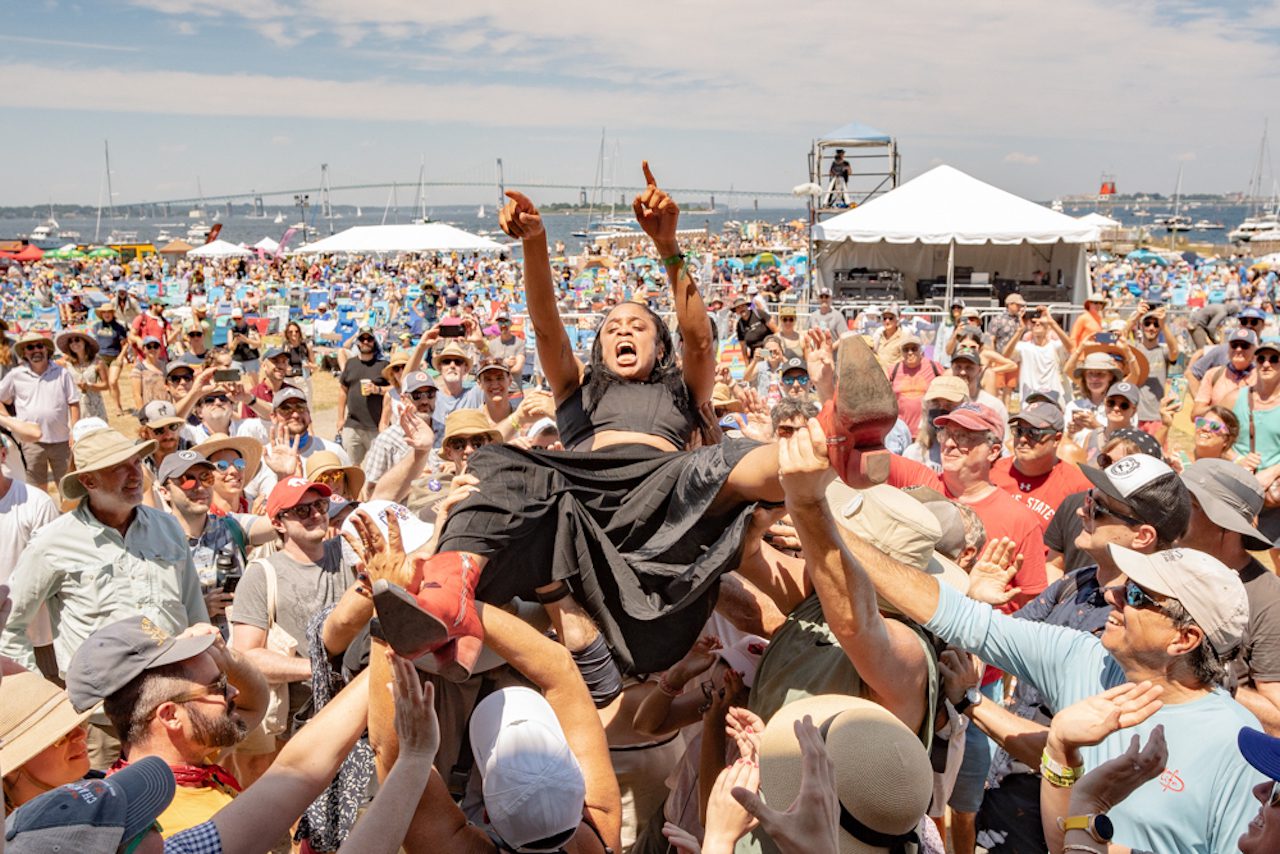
x,y
286,394
115,655
275,353
179,463
417,380
1042,413
1128,391
1230,496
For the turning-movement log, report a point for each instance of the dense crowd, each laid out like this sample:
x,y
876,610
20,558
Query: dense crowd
x,y
598,558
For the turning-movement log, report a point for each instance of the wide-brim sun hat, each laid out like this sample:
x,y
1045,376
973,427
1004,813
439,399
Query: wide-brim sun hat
x,y
399,357
249,449
322,462
34,713
28,338
883,777
90,343
99,450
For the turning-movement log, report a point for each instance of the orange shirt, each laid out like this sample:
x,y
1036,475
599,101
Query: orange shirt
x,y
1085,325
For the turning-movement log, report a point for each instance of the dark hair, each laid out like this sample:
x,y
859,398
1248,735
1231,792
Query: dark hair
x,y
790,407
1204,661
130,708
1229,421
666,370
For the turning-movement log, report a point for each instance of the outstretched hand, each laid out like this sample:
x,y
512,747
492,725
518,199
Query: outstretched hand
x,y
811,824
520,218
1089,721
803,467
1116,779
382,558
992,575
657,213
417,727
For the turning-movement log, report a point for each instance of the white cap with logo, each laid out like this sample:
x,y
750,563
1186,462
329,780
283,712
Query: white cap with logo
x,y
1211,592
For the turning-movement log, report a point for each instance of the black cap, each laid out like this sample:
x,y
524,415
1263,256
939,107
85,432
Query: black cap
x,y
795,364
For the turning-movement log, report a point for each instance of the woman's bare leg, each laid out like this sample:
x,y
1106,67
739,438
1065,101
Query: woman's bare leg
x,y
754,478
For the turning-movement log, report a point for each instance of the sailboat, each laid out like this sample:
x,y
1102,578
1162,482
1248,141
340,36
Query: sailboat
x,y
612,224
422,218
480,213
359,212
279,217
1175,222
1258,221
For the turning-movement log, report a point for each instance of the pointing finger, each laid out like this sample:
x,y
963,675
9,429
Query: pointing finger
x,y
648,174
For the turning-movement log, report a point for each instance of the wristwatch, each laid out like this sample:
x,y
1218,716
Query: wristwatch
x,y
1098,825
972,697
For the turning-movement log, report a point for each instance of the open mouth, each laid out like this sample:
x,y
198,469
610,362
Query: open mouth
x,y
1114,619
625,353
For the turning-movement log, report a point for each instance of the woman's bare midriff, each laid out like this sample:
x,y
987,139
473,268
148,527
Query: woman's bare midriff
x,y
609,438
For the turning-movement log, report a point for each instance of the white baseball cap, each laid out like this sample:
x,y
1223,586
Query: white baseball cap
x,y
1211,592
533,786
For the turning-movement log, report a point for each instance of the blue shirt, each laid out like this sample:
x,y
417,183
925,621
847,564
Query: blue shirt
x,y
1202,801
471,398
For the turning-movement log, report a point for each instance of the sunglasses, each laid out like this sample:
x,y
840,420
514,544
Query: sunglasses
x,y
395,369
168,428
224,465
1119,403
1034,435
38,346
216,688
1241,345
181,377
365,339
1094,508
1211,426
1136,597
911,349
1268,358
147,346
1250,322
788,320
963,438
216,398
191,481
452,360
458,443
71,733
303,512
195,333
423,394
796,379
1152,323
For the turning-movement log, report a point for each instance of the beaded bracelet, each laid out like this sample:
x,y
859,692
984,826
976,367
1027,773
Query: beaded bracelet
x,y
673,259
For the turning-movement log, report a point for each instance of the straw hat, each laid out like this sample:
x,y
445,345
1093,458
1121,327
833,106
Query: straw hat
x,y
399,357
1121,355
30,337
99,450
249,449
323,462
883,777
34,713
468,422
90,343
1099,361
453,348
722,399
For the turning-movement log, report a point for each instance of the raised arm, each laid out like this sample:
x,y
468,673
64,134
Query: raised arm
x,y
659,215
563,371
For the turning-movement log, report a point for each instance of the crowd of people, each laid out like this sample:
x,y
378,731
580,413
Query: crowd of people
x,y
724,574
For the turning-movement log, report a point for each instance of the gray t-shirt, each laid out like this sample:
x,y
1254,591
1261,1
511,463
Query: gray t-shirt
x,y
1152,391
302,589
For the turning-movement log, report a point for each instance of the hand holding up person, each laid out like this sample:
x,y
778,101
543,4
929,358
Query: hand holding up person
x,y
381,559
1089,721
1104,787
803,467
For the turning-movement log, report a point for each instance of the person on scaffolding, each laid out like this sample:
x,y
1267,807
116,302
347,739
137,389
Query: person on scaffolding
x,y
838,185
624,535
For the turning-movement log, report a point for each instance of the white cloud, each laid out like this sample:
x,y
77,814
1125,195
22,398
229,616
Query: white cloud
x,y
1022,159
185,28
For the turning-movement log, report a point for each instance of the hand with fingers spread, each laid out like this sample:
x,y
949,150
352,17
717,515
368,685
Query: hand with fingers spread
x,y
520,218
281,454
992,575
380,558
745,727
732,693
727,820
803,467
698,660
418,434
811,825
1089,721
417,727
657,213
1104,787
819,356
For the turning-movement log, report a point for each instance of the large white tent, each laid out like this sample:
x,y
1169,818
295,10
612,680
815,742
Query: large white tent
x,y
946,219
1101,221
219,249
428,237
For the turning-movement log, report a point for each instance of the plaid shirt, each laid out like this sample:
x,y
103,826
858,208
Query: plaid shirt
x,y
201,839
387,449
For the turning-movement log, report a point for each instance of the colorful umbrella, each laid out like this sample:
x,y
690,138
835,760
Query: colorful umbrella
x,y
103,252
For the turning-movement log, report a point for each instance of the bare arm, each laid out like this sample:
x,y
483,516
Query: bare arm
x,y
418,435
23,431
1023,739
251,642
1263,699
1010,350
561,367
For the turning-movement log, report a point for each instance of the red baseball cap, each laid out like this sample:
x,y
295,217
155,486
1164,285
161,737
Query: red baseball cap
x,y
973,416
288,492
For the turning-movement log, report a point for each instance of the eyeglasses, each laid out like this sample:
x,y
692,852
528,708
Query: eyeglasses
x,y
423,394
303,512
1274,797
224,465
217,688
963,438
1268,358
452,360
1094,508
1034,435
204,478
796,379
458,443
216,398
1119,403
1209,426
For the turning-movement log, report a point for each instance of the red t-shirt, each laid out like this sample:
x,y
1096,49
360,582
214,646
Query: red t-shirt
x,y
1001,516
148,325
1041,494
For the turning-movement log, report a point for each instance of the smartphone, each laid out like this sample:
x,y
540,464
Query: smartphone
x,y
1105,338
229,584
452,330
226,375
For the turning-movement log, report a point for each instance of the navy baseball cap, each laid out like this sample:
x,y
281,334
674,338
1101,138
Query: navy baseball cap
x,y
1261,751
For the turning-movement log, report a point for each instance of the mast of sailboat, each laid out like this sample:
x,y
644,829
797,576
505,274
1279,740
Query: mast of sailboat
x,y
502,188
1255,185
325,208
111,204
1173,219
599,181
422,190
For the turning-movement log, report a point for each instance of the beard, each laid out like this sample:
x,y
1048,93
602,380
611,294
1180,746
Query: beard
x,y
224,730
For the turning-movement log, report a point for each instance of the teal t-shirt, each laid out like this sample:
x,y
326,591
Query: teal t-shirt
x,y
1202,801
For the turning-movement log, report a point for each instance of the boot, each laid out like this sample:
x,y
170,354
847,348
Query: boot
x,y
441,617
862,413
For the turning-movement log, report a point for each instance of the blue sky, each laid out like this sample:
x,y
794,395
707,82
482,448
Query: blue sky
x,y
1037,97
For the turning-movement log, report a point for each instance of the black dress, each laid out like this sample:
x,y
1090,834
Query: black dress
x,y
627,527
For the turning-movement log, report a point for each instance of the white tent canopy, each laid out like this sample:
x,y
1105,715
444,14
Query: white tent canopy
x,y
1101,221
266,244
219,249
429,237
944,219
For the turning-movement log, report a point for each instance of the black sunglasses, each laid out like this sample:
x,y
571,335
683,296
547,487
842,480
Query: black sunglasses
x,y
1268,358
1094,508
1035,435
